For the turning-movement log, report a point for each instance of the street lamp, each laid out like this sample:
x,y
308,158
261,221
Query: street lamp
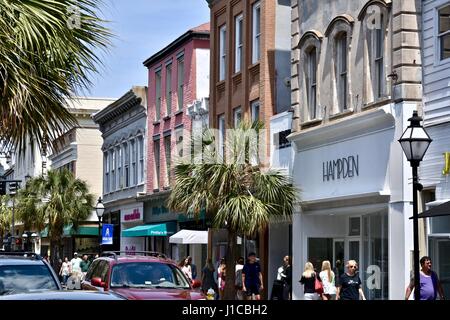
x,y
29,238
99,208
415,142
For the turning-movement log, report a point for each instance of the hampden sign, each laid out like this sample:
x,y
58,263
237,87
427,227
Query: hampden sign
x,y
342,168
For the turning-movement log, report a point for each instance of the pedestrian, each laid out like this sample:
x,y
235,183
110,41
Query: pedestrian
x,y
208,281
280,282
252,279
222,280
430,285
75,265
349,287
338,270
193,268
308,280
238,278
84,266
287,293
65,270
328,281
186,268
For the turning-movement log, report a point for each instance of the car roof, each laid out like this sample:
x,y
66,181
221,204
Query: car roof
x,y
133,258
62,295
15,260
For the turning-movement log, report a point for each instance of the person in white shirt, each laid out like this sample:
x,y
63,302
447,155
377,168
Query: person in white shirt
x,y
75,263
328,281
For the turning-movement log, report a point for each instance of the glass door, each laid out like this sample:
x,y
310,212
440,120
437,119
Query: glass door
x,y
353,251
439,249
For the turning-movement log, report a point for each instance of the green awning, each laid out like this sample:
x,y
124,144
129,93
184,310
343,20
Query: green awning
x,y
151,230
69,231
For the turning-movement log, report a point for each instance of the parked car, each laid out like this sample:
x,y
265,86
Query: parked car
x,y
148,276
22,272
63,295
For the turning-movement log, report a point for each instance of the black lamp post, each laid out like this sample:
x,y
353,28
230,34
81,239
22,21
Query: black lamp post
x,y
99,208
415,142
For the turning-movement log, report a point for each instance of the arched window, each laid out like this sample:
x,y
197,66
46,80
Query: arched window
x,y
309,46
339,33
375,19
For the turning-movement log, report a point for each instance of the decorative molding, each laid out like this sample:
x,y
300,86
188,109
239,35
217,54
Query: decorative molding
x,y
381,3
317,35
344,18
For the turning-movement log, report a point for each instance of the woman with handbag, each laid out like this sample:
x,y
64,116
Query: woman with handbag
x,y
311,282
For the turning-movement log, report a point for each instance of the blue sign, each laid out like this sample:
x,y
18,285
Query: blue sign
x,y
107,233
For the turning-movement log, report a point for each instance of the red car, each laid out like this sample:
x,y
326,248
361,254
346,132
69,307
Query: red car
x,y
140,277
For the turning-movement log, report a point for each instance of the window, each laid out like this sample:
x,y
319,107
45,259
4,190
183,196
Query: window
x,y
222,52
158,95
283,142
180,81
378,60
255,110
311,82
167,149
141,158
106,159
256,32
126,164
169,89
221,122
113,170
157,169
237,116
119,168
179,142
341,70
444,32
133,163
238,56
354,228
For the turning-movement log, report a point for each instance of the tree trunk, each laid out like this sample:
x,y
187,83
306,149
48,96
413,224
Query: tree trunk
x,y
230,290
54,253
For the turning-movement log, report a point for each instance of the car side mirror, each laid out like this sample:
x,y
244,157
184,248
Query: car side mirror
x,y
196,284
97,282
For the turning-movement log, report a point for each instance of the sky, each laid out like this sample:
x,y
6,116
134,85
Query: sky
x,y
141,28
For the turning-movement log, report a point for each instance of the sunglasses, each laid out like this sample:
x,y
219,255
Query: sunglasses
x,y
353,267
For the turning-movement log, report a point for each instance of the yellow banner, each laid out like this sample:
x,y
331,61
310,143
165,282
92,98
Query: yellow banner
x,y
446,169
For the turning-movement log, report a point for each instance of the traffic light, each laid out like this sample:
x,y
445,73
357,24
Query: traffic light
x,y
13,186
2,188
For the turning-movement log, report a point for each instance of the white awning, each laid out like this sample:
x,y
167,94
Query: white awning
x,y
189,237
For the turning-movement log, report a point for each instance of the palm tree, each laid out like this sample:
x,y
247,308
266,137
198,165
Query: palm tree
x,y
48,50
5,217
238,195
54,200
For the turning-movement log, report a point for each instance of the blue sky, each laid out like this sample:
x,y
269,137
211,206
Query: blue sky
x,y
142,28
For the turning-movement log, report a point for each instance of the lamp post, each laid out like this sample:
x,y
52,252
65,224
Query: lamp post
x,y
415,142
29,238
99,208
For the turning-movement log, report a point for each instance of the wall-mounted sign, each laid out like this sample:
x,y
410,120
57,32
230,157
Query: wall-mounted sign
x,y
132,214
342,168
446,169
107,233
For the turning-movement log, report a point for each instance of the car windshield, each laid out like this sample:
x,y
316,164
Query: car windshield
x,y
25,278
148,275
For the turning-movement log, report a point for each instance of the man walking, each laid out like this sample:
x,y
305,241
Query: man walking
x,y
429,282
84,266
252,280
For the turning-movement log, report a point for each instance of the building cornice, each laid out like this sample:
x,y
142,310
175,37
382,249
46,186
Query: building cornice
x,y
122,105
187,36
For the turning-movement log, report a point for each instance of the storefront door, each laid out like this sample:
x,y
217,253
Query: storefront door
x,y
439,251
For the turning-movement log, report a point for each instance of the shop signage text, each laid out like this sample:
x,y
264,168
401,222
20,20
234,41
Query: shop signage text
x,y
341,168
135,215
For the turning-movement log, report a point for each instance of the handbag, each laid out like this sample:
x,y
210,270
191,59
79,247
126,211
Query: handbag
x,y
318,287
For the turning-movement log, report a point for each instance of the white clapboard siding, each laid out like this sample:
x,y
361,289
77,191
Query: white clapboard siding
x,y
436,75
433,162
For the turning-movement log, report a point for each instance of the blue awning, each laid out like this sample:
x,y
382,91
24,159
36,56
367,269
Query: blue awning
x,y
151,230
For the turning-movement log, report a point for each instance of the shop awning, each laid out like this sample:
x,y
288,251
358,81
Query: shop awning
x,y
70,231
151,230
437,211
189,237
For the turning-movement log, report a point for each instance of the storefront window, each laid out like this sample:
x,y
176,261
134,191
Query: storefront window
x,y
319,249
374,267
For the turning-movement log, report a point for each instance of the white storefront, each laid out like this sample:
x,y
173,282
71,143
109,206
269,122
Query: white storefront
x,y
355,200
132,216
